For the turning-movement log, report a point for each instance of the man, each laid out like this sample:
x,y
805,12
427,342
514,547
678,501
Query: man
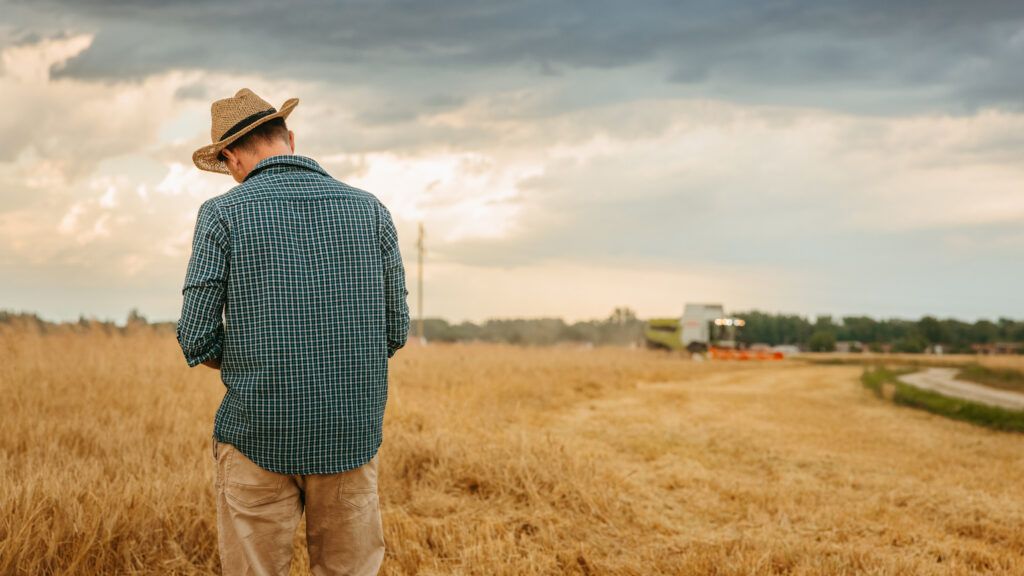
x,y
307,272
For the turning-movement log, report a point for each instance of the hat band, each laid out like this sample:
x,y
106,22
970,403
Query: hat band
x,y
246,121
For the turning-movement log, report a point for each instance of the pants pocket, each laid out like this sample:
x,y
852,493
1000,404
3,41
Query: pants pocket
x,y
357,489
245,482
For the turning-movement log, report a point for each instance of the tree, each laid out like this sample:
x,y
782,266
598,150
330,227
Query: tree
x,y
933,331
912,343
859,328
135,317
984,332
822,341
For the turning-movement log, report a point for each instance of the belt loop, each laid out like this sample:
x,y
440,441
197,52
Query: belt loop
x,y
214,449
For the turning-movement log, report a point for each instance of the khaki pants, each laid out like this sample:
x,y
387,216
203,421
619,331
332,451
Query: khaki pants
x,y
258,511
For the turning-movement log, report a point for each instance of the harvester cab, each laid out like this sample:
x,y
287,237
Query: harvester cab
x,y
706,327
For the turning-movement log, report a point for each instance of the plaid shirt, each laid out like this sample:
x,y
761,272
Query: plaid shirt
x,y
308,273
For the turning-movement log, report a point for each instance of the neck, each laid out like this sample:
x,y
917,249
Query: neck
x,y
268,151
265,151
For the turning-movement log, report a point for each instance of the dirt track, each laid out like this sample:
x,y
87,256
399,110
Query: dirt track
x,y
943,381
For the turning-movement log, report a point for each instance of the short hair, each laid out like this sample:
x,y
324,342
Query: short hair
x,y
267,132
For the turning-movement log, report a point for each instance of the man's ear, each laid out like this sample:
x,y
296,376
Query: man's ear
x,y
233,163
231,159
291,140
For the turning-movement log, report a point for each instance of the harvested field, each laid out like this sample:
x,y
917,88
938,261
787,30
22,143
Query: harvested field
x,y
508,460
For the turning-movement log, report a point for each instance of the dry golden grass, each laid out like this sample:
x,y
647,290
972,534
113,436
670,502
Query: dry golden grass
x,y
502,460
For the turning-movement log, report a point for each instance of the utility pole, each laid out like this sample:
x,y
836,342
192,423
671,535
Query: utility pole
x,y
419,286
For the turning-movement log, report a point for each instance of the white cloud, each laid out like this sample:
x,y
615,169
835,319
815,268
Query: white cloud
x,y
32,63
599,205
464,195
69,222
189,181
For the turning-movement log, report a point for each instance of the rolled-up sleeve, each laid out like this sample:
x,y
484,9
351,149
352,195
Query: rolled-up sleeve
x,y
395,292
200,329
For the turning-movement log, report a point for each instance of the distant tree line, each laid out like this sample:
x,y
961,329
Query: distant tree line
x,y
893,335
622,327
13,320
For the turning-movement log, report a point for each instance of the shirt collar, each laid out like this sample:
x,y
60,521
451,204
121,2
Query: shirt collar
x,y
285,160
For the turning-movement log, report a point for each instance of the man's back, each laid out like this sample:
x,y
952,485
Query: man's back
x,y
311,279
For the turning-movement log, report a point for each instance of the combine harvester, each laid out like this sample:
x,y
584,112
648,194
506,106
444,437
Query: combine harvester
x,y
704,329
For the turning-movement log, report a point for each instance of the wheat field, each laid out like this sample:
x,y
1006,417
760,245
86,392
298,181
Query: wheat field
x,y
506,460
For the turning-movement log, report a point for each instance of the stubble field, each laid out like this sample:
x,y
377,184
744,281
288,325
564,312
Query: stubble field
x,y
506,460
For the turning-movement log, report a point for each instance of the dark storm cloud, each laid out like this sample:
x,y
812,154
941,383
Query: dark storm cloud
x,y
876,56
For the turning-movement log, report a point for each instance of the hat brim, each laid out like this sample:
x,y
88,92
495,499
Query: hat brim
x,y
205,158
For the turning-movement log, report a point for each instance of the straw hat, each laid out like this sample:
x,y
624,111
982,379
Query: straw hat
x,y
232,118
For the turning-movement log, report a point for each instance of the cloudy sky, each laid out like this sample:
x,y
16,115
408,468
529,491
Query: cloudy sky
x,y
565,157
